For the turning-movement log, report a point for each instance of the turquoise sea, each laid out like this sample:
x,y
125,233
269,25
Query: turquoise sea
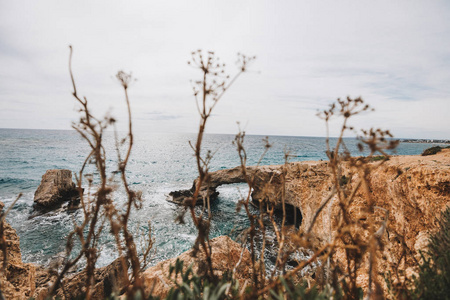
x,y
160,163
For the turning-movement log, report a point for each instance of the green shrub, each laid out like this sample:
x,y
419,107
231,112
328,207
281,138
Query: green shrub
x,y
434,275
378,158
194,287
432,150
288,290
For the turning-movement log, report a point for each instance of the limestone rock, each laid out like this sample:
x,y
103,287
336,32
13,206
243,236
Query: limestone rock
x,y
226,254
414,189
185,196
107,280
56,187
208,188
18,279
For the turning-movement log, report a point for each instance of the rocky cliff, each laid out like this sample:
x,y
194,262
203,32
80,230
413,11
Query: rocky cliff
x,y
414,189
227,255
17,280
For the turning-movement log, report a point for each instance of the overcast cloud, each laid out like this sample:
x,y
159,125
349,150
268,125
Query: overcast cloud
x,y
394,54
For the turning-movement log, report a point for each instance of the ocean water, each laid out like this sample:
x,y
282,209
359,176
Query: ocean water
x,y
160,163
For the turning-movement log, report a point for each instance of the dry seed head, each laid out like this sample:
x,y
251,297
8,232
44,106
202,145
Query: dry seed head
x,y
124,78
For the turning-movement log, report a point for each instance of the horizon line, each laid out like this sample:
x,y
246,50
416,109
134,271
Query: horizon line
x,y
212,133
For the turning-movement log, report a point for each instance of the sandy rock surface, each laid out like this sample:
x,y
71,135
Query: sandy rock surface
x,y
414,189
226,254
18,279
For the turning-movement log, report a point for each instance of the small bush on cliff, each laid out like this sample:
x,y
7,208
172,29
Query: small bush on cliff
x,y
432,150
195,287
298,291
378,158
434,276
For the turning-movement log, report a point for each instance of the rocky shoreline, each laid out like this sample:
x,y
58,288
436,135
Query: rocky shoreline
x,y
415,189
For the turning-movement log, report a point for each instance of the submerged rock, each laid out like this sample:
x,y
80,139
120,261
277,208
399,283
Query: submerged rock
x,y
56,187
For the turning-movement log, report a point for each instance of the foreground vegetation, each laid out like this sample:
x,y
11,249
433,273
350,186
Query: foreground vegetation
x,y
353,244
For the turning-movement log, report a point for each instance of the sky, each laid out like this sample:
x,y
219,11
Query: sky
x,y
393,54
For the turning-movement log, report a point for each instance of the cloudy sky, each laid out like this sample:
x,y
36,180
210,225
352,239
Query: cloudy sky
x,y
394,54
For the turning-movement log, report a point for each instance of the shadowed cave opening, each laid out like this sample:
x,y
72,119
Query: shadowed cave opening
x,y
293,215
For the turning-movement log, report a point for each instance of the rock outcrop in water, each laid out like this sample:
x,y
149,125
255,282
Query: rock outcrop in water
x,y
56,187
208,188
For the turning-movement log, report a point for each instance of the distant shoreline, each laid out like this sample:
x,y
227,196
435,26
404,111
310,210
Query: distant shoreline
x,y
424,141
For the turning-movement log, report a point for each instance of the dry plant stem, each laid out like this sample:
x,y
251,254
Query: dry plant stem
x,y
213,90
262,262
129,241
281,234
352,233
317,254
374,241
258,266
319,210
148,248
97,152
279,239
243,158
99,208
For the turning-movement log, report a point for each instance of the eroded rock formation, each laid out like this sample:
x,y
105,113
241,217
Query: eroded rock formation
x,y
208,188
414,189
56,187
